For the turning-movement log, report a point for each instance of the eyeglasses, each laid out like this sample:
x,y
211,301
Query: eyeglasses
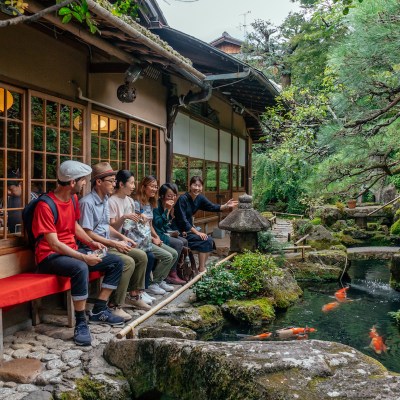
x,y
110,180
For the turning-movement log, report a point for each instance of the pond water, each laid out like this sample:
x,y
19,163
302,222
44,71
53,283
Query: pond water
x,y
350,323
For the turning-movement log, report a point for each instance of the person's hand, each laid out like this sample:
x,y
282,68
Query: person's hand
x,y
230,204
174,234
91,259
132,216
157,241
122,246
169,204
203,235
132,243
96,245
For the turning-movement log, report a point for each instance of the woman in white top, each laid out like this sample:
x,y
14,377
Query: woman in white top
x,y
135,262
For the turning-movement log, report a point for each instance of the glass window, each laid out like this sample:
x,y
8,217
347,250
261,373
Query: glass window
x,y
144,144
12,161
180,172
211,184
108,140
196,168
224,176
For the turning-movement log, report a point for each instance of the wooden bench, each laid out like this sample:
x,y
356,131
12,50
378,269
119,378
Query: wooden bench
x,y
24,287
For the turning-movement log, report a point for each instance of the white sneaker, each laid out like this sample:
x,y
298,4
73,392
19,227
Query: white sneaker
x,y
146,298
150,297
164,285
121,313
155,288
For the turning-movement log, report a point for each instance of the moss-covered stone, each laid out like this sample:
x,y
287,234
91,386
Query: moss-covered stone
x,y
199,319
283,289
314,272
328,257
250,312
347,240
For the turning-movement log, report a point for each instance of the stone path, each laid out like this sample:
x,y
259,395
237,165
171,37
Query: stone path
x,y
45,360
282,229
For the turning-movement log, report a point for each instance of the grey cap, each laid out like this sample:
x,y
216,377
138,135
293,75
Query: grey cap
x,y
70,170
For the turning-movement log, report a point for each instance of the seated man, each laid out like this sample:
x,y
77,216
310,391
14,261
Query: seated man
x,y
95,220
14,200
56,251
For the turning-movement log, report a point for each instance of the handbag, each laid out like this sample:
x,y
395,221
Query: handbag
x,y
139,232
186,267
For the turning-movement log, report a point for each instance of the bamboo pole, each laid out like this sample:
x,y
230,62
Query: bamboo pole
x,y
129,328
380,208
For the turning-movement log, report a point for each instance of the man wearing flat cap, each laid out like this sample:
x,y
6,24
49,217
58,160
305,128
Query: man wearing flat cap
x,y
56,250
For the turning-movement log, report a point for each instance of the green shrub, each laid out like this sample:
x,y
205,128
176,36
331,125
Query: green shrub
x,y
268,244
251,269
340,206
395,228
316,221
218,286
395,315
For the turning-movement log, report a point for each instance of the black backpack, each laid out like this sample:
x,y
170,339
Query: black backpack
x,y
27,217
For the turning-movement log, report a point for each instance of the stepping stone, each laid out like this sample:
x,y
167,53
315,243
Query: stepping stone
x,y
21,370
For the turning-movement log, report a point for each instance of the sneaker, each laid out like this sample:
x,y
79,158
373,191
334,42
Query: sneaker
x,y
137,302
82,335
164,285
119,312
106,317
146,298
155,288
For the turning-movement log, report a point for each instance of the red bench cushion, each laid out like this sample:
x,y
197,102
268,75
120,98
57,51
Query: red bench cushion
x,y
20,288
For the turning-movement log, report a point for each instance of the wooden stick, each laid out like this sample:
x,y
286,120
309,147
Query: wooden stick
x,y
380,208
129,328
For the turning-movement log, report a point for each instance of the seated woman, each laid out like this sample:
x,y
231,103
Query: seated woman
x,y
145,202
185,208
163,218
122,208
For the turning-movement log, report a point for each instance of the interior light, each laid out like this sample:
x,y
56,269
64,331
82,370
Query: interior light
x,y
9,100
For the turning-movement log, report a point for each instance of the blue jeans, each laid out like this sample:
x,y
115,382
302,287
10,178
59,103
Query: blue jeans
x,y
78,271
151,262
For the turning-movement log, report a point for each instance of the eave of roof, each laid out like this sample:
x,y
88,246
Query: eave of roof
x,y
255,93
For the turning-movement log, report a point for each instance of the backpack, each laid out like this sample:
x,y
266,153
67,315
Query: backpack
x,y
186,267
27,217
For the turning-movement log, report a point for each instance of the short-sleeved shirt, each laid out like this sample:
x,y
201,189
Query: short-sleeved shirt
x,y
43,222
120,207
95,214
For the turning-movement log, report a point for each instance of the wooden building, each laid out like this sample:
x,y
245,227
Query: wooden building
x,y
154,106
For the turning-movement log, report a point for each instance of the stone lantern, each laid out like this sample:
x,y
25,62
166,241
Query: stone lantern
x,y
244,222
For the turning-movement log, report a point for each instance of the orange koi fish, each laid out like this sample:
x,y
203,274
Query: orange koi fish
x,y
341,294
287,333
330,306
261,336
377,344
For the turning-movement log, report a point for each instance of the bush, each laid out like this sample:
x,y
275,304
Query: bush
x,y
395,228
218,286
316,221
252,269
268,244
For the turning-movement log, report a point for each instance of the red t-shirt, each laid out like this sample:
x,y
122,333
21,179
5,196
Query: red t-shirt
x,y
43,222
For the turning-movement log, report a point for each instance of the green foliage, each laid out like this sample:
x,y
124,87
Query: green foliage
x,y
267,243
395,315
395,228
316,221
218,286
252,269
79,12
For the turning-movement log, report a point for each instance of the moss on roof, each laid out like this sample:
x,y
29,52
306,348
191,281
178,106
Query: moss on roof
x,y
144,31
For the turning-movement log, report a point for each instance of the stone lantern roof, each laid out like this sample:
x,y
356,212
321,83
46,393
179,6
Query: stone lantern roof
x,y
244,218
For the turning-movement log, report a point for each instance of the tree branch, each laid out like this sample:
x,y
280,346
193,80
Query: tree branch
x,y
34,17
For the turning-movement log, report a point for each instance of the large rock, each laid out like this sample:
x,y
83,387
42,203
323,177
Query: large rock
x,y
21,370
250,312
304,370
199,319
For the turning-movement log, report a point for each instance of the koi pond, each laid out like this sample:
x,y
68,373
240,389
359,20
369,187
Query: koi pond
x,y
350,323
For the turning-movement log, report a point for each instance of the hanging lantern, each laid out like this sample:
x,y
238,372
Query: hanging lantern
x,y
94,123
9,100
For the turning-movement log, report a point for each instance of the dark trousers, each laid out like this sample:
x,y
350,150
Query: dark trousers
x,y
151,264
177,244
78,271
